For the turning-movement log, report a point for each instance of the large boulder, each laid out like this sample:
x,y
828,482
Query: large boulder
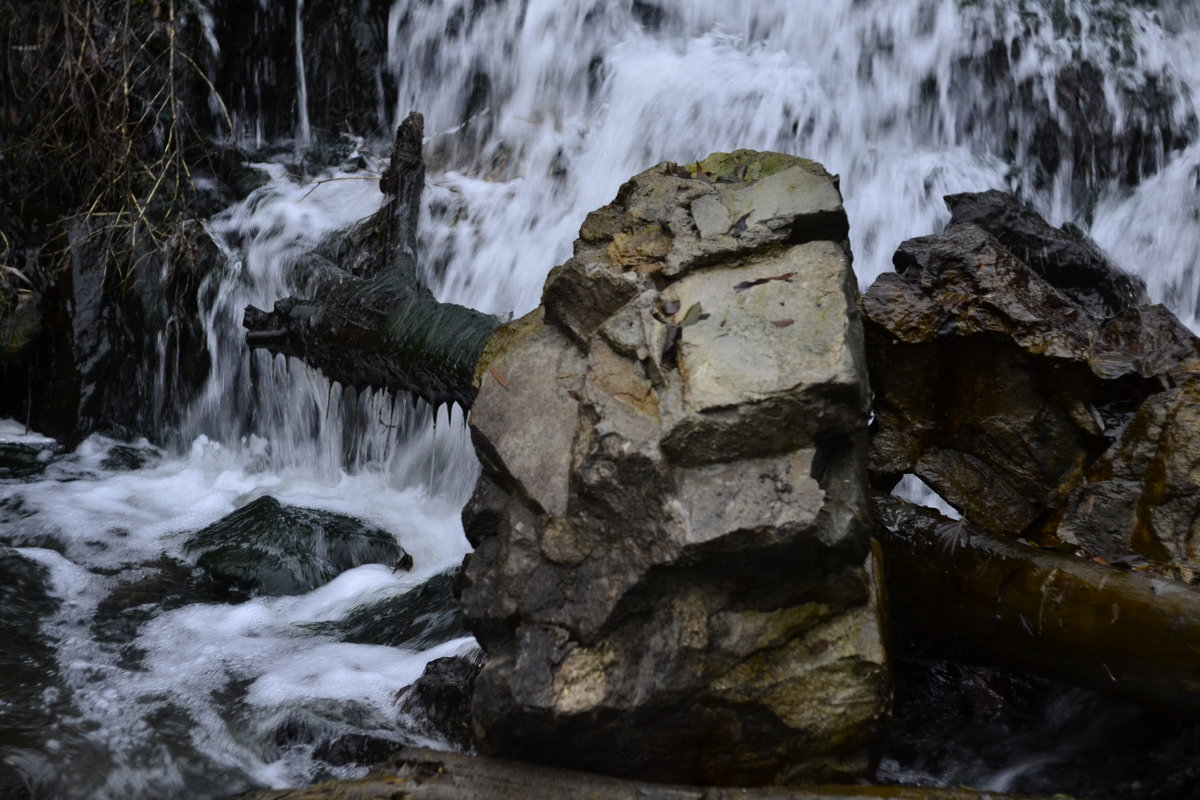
x,y
998,383
672,576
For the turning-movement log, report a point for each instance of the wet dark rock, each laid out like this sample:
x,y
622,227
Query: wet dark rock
x,y
672,573
21,460
126,458
192,256
345,57
968,723
150,589
19,526
997,387
335,746
1141,496
439,703
13,785
419,619
355,748
273,549
27,664
1064,257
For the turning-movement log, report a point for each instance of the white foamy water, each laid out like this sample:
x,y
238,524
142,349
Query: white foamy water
x,y
536,112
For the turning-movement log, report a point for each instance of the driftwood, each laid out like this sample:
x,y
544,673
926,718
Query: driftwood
x,y
978,596
375,325
433,775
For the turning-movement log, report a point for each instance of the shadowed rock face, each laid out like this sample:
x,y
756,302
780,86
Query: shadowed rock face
x,y
1140,496
1000,382
1064,256
672,576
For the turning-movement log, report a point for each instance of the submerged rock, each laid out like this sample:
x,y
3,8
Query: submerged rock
x,y
27,663
151,589
273,549
672,574
998,384
420,618
334,746
439,703
21,460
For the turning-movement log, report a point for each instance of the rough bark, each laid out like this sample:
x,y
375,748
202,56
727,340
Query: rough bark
x,y
372,324
980,596
432,775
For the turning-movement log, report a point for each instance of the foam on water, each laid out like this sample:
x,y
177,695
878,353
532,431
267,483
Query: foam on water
x,y
209,684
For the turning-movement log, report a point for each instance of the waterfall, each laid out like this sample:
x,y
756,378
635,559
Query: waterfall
x,y
536,111
304,134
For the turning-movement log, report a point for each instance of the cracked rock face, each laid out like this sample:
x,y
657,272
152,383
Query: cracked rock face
x,y
672,574
1000,383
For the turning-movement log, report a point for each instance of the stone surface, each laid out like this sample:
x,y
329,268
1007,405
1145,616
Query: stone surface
x,y
439,703
672,575
1064,256
1142,495
998,384
273,549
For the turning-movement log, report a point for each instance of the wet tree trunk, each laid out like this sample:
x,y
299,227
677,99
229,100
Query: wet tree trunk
x,y
376,325
434,775
982,597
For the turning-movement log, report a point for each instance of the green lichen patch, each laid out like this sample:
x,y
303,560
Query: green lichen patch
x,y
751,165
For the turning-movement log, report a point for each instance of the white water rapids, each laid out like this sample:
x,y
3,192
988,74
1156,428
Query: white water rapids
x,y
564,100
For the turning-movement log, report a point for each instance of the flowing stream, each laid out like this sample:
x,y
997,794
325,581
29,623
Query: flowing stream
x,y
536,111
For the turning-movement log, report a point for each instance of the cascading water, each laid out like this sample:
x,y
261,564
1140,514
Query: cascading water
x,y
536,111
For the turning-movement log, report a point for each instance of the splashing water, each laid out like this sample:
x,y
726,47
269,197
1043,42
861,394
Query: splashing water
x,y
537,111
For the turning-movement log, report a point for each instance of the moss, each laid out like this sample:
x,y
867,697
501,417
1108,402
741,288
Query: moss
x,y
752,165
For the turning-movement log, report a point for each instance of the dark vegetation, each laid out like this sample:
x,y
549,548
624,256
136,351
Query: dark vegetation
x,y
100,156
121,122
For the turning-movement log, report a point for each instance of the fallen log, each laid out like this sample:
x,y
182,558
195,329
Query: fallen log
x,y
977,596
423,774
373,324
379,333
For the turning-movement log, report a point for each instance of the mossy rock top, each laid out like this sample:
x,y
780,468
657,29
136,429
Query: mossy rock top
x,y
752,165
